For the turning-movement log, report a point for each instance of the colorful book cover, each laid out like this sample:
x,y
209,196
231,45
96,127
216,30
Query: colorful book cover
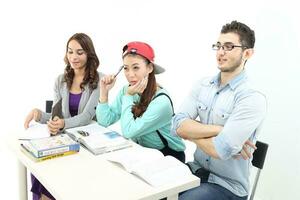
x,y
51,145
35,159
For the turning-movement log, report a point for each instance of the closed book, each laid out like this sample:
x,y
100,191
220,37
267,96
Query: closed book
x,y
51,145
35,159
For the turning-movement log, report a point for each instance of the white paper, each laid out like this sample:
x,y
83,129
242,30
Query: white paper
x,y
35,131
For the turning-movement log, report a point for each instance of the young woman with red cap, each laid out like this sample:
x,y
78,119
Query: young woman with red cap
x,y
144,107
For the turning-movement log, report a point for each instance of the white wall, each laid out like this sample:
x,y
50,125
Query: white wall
x,y
34,34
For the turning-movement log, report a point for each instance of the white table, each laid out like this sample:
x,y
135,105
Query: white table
x,y
85,176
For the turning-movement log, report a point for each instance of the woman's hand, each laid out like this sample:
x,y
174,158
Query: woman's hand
x,y
106,83
55,124
138,88
35,114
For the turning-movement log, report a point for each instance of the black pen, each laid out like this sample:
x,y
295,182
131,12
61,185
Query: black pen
x,y
120,69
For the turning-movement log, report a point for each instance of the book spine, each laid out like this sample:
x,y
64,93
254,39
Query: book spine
x,y
47,152
55,156
35,159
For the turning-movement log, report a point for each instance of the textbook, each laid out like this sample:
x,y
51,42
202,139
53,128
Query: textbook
x,y
151,165
50,146
98,139
35,159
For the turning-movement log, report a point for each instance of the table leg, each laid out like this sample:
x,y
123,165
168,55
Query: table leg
x,y
173,197
22,181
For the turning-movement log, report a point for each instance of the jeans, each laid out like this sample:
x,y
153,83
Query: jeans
x,y
209,191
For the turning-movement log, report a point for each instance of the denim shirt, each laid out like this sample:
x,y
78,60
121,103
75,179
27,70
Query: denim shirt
x,y
240,110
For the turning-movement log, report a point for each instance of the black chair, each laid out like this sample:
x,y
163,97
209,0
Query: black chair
x,y
258,161
49,104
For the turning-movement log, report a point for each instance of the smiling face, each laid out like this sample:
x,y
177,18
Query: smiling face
x,y
136,68
76,55
230,61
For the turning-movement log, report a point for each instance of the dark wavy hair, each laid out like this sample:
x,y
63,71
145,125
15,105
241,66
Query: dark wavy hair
x,y
246,35
141,106
91,76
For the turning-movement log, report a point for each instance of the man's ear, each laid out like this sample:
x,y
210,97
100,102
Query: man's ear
x,y
248,54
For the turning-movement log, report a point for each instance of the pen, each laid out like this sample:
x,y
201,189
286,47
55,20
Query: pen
x,y
120,69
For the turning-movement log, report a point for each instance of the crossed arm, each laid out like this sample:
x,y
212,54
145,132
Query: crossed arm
x,y
202,135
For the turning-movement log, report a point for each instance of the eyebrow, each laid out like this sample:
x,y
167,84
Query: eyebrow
x,y
134,64
225,42
75,49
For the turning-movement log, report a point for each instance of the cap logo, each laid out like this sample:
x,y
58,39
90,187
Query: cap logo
x,y
133,50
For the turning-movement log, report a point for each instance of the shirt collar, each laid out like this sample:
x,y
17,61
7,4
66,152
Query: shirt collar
x,y
233,83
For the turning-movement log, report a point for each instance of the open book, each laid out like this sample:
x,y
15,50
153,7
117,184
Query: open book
x,y
151,165
98,139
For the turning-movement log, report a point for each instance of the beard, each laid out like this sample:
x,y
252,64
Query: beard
x,y
233,66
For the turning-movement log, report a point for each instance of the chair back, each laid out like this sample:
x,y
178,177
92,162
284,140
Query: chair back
x,y
258,161
49,106
259,154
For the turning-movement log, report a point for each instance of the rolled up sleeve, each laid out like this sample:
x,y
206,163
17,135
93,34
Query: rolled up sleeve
x,y
246,118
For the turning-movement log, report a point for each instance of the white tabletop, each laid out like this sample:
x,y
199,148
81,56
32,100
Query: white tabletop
x,y
85,176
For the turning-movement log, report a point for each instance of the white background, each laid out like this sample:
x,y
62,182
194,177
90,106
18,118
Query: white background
x,y
34,34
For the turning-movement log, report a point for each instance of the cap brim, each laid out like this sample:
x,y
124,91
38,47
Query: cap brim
x,y
158,69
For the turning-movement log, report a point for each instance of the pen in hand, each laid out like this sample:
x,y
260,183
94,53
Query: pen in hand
x,y
54,119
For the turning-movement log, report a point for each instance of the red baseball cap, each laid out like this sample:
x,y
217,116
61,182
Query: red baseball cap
x,y
145,50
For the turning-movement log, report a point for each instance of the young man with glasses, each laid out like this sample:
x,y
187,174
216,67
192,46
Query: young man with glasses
x,y
231,114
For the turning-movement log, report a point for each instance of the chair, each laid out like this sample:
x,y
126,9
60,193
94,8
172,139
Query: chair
x,y
49,106
258,161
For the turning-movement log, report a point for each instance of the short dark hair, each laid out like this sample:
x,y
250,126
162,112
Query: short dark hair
x,y
246,35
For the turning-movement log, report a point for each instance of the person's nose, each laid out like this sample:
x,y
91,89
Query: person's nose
x,y
221,51
74,57
131,74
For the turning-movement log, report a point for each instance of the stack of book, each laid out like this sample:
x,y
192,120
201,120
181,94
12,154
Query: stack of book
x,y
41,149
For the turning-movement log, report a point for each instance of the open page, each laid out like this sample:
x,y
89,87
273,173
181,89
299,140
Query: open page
x,y
98,139
130,158
162,171
35,131
151,165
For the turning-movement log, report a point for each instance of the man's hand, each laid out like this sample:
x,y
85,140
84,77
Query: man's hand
x,y
247,151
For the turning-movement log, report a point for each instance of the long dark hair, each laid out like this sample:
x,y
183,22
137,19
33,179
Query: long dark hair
x,y
140,107
91,76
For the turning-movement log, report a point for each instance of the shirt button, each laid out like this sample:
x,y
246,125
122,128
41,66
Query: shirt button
x,y
218,93
206,160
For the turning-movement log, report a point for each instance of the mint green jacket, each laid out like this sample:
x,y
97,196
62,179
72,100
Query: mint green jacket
x,y
142,130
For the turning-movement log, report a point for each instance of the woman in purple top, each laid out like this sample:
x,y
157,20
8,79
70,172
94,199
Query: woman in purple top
x,y
78,91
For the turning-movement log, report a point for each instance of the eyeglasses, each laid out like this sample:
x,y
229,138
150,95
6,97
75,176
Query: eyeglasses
x,y
226,46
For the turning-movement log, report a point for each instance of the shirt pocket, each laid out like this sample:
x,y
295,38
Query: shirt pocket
x,y
202,109
220,117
